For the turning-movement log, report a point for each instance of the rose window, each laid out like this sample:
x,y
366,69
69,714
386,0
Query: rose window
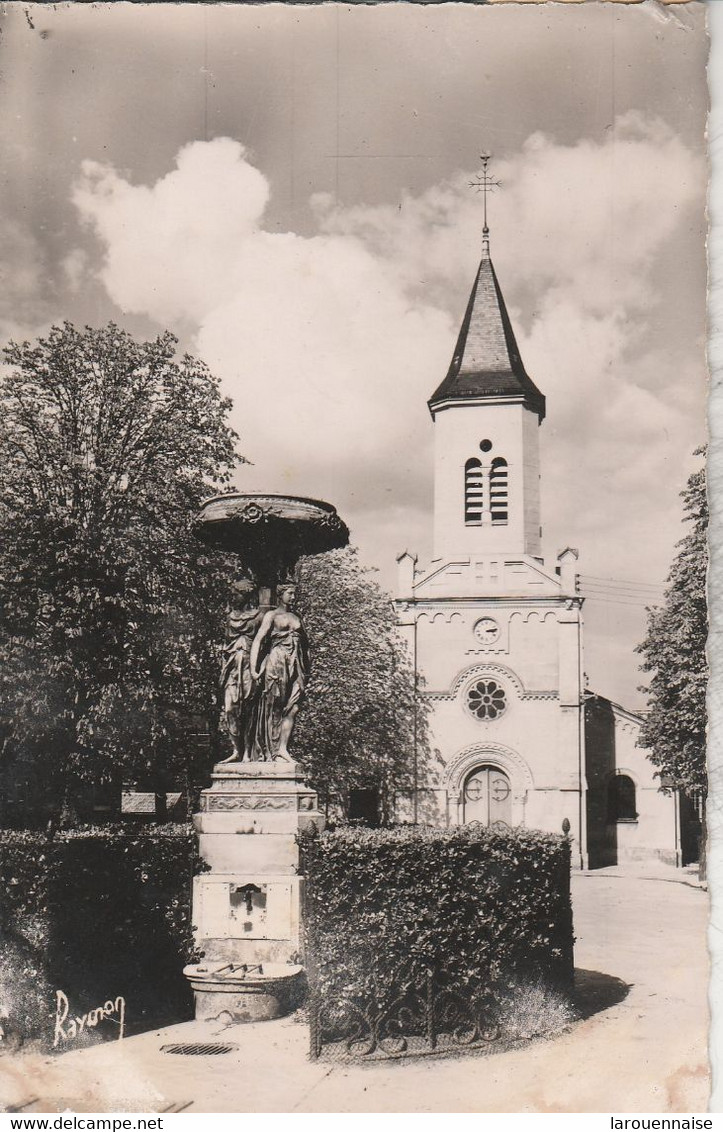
x,y
486,699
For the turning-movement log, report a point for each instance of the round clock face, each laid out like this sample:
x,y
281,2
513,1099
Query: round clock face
x,y
487,631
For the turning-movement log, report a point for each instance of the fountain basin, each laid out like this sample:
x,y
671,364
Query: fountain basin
x,y
269,533
237,992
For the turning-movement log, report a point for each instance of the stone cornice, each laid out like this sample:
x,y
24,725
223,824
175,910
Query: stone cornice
x,y
426,603
488,668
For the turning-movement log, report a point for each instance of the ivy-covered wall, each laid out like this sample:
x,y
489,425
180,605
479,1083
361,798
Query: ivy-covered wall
x,y
96,913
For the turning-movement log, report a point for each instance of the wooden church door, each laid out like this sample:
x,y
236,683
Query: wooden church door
x,y
487,796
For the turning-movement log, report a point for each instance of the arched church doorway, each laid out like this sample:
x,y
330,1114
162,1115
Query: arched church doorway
x,y
487,796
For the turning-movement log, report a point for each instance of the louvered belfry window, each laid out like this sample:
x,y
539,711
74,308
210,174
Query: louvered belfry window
x,y
473,491
485,490
498,491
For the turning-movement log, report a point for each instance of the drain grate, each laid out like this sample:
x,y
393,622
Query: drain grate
x,y
200,1049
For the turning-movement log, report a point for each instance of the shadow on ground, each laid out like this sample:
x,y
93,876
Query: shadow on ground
x,y
595,992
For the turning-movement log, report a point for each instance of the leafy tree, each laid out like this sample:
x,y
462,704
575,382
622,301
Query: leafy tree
x,y
360,723
674,652
107,447
112,612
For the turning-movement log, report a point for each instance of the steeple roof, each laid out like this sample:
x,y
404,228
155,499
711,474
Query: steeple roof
x,y
486,361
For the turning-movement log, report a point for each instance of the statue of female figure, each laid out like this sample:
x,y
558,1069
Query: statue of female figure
x,y
237,683
280,661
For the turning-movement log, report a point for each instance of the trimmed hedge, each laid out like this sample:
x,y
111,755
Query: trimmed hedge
x,y
96,913
483,913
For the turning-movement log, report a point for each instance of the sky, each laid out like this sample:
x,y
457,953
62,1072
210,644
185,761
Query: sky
x,y
286,189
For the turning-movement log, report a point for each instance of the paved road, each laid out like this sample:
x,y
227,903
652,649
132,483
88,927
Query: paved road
x,y
646,1052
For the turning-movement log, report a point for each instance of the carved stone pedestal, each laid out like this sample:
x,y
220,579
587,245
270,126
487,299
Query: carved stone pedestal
x,y
247,907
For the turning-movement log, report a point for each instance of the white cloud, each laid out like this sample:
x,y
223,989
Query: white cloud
x,y
174,249
587,219
327,359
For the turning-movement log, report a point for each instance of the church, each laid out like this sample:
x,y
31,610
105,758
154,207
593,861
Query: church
x,y
496,632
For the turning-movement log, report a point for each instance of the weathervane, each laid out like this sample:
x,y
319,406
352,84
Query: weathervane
x,y
485,183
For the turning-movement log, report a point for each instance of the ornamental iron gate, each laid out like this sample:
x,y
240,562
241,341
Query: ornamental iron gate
x,y
421,1013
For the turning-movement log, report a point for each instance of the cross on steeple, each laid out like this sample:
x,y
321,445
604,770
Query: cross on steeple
x,y
485,183
486,364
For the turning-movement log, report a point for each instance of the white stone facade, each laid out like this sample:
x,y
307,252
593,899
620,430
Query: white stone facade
x,y
502,625
651,829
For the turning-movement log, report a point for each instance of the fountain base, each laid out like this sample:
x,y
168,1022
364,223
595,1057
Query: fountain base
x,y
247,904
242,993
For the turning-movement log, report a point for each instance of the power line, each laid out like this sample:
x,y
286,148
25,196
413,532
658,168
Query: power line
x,y
624,593
626,582
616,601
624,586
621,586
639,595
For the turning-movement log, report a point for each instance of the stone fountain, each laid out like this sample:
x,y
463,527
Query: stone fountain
x,y
247,906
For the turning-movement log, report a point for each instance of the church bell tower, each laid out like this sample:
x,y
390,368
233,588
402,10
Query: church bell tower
x,y
495,632
486,414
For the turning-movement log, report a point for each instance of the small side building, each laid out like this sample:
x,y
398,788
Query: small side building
x,y
629,818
